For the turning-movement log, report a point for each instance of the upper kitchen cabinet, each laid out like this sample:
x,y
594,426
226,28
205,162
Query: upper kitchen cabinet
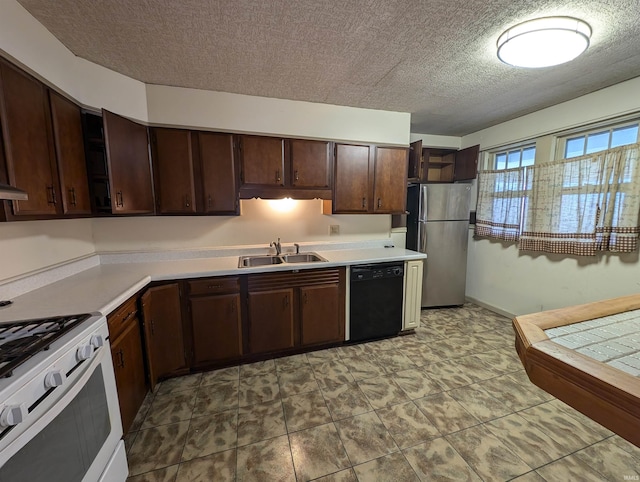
x,y
273,167
43,148
415,161
369,179
351,180
446,165
261,161
219,173
172,154
194,172
69,146
390,184
129,166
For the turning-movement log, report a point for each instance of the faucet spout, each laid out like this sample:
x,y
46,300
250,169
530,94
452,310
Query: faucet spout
x,y
277,245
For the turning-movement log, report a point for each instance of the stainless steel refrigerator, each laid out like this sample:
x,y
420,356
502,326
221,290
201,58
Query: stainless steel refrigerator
x,y
438,225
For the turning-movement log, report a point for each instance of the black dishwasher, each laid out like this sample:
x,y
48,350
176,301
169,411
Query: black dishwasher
x,y
375,300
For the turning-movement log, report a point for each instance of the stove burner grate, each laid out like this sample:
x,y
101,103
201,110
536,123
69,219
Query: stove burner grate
x,y
20,340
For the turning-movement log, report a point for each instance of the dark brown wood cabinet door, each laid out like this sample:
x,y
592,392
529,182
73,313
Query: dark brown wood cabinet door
x,y
310,163
216,324
320,316
271,320
466,164
128,366
69,145
163,331
415,160
173,170
218,173
26,129
129,166
351,184
262,161
390,191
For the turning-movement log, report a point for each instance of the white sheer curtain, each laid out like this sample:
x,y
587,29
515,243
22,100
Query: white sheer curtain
x,y
583,205
499,203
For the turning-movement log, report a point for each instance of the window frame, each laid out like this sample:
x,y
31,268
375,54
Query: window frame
x,y
522,146
585,131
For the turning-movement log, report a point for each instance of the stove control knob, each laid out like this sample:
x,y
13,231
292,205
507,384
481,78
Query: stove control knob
x,y
54,379
84,352
13,415
397,271
97,341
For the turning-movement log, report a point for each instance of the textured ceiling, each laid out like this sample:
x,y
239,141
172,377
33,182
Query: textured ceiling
x,y
435,59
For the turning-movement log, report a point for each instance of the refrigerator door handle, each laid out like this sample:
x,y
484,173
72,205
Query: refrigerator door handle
x,y
422,237
422,203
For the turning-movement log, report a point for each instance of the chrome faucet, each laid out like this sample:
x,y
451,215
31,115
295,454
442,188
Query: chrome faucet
x,y
277,245
297,248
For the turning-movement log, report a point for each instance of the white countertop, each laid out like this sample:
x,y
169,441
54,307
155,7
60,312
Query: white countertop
x,y
104,287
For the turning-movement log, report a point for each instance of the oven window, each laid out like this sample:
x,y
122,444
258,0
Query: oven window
x,y
65,449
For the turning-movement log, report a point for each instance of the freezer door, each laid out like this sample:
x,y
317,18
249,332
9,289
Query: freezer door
x,y
445,269
444,202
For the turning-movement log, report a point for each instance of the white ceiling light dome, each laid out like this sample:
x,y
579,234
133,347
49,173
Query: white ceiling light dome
x,y
544,42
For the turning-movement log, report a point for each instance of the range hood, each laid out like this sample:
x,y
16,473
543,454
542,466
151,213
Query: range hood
x,y
13,193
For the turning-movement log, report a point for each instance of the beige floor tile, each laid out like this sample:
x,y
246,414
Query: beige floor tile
x,y
332,373
392,361
229,374
382,391
211,434
363,367
317,451
217,397
157,447
475,368
528,441
608,459
416,383
591,425
445,413
259,368
570,468
499,360
298,380
322,356
447,374
187,382
438,460
513,394
529,477
170,408
347,475
291,362
489,457
129,438
260,422
305,411
390,467
627,447
219,467
167,474
365,437
479,403
258,389
346,401
142,412
407,424
265,461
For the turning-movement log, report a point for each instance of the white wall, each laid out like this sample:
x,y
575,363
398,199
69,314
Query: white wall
x,y
259,224
442,142
498,275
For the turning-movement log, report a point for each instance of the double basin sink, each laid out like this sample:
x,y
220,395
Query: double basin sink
x,y
267,260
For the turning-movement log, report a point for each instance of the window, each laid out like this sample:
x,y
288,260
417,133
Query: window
x,y
600,140
518,157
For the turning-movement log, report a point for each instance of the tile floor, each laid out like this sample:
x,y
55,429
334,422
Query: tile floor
x,y
450,402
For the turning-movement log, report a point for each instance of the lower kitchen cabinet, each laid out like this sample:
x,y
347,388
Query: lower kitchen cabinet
x,y
271,318
293,309
128,361
413,271
216,320
128,365
163,329
320,320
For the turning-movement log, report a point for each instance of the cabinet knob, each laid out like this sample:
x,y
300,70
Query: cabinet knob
x,y
72,193
277,175
119,199
187,201
50,189
364,203
379,203
209,201
295,175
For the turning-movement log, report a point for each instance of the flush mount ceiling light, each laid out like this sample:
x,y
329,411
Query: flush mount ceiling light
x,y
544,42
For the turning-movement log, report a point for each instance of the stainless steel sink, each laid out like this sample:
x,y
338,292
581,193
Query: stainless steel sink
x,y
302,258
267,260
251,261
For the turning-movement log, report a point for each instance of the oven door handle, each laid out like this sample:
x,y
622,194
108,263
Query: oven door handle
x,y
55,403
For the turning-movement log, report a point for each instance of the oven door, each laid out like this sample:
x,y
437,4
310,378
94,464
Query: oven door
x,y
74,433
